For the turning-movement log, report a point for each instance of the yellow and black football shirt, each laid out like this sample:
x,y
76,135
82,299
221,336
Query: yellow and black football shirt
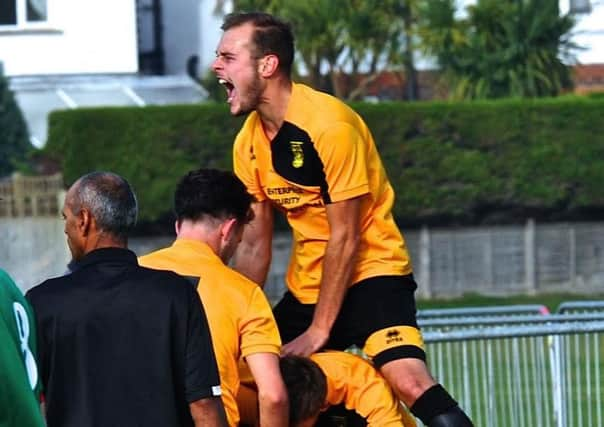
x,y
323,153
354,382
239,315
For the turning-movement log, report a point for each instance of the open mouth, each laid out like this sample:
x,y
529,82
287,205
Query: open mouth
x,y
229,88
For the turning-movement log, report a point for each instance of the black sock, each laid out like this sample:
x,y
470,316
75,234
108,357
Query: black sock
x,y
452,417
435,401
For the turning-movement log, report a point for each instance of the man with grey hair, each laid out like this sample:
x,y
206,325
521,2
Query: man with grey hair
x,y
119,344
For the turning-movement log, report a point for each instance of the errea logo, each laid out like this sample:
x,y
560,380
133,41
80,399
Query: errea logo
x,y
393,336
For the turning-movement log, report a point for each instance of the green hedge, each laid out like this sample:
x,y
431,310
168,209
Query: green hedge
x,y
14,137
152,147
450,163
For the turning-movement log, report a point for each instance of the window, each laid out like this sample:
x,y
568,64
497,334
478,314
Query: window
x,y
22,13
580,6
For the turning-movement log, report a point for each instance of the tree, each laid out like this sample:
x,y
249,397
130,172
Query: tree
x,y
383,38
503,48
355,37
14,137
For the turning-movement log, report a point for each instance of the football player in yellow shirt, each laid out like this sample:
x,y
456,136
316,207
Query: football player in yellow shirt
x,y
337,378
331,379
310,156
212,208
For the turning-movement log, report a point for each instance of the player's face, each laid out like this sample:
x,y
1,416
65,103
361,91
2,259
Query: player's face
x,y
230,242
238,70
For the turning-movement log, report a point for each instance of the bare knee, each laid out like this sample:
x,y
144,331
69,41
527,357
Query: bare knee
x,y
409,378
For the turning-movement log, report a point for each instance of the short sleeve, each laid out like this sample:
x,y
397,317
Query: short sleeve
x,y
343,153
17,399
244,166
259,333
42,355
201,372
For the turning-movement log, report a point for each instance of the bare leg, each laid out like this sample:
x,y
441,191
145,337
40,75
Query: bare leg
x,y
426,399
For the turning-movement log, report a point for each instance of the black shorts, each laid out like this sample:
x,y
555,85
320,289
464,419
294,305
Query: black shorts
x,y
378,315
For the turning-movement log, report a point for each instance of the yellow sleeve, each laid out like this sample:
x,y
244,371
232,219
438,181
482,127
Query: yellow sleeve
x,y
258,329
356,383
244,165
342,151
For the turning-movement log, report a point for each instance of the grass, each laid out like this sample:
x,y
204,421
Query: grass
x,y
551,301
510,381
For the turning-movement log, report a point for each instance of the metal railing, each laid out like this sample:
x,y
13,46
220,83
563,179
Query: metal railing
x,y
482,311
580,306
530,370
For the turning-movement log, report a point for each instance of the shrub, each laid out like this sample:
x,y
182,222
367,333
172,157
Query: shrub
x,y
14,137
449,163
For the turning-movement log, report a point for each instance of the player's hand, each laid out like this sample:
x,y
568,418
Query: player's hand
x,y
304,345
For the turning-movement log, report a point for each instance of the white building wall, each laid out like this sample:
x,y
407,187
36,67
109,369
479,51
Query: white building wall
x,y
80,37
589,32
210,33
181,33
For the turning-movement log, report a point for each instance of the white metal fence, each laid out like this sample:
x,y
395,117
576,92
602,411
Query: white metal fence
x,y
461,313
521,370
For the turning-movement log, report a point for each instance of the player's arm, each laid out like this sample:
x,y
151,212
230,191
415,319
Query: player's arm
x,y
272,395
14,384
208,412
338,264
253,255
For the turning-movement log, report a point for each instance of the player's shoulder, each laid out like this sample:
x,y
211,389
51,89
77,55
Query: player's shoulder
x,y
161,259
4,277
7,285
323,105
237,283
247,129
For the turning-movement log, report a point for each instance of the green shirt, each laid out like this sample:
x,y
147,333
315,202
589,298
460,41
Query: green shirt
x,y
19,380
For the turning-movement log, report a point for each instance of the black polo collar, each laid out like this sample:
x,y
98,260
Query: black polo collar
x,y
102,255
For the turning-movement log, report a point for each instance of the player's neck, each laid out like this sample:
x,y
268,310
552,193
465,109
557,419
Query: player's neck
x,y
199,231
273,108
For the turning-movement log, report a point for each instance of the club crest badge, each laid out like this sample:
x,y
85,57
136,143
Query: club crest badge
x,y
296,147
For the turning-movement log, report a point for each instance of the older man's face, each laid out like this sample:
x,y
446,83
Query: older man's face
x,y
73,227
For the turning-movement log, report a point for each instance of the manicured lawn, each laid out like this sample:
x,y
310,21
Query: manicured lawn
x,y
513,381
551,301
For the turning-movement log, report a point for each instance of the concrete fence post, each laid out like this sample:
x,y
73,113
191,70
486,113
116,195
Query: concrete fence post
x,y
425,285
530,257
572,255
